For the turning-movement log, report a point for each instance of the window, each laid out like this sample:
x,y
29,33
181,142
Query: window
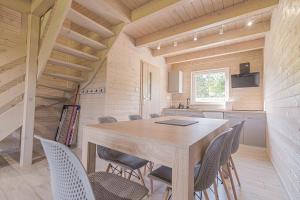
x,y
210,86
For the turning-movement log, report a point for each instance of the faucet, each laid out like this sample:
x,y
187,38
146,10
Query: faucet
x,y
188,100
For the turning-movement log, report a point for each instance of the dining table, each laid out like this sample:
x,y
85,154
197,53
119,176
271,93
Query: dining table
x,y
179,147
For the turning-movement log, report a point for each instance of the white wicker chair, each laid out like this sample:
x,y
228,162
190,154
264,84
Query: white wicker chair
x,y
69,180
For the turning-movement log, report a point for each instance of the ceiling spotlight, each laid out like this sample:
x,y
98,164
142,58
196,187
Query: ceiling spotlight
x,y
250,23
221,32
195,37
175,43
158,47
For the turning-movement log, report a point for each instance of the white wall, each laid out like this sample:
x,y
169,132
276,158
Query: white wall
x,y
282,94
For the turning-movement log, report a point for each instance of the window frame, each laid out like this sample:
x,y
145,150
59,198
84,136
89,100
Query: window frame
x,y
192,93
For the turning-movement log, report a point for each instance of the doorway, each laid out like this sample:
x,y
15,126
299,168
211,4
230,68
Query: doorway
x,y
150,89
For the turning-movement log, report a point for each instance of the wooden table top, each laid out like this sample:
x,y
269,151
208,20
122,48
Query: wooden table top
x,y
180,136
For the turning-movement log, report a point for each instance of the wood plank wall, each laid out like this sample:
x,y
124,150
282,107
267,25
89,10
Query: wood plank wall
x,y
243,98
282,94
121,78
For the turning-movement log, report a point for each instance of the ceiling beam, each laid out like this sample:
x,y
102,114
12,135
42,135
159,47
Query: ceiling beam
x,y
230,14
18,5
153,7
40,7
233,36
112,8
218,51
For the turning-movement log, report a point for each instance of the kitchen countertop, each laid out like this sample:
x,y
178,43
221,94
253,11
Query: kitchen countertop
x,y
215,110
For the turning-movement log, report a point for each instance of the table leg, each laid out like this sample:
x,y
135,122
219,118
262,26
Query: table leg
x,y
89,156
183,176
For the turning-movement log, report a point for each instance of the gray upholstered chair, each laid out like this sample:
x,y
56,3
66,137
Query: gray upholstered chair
x,y
205,172
150,164
200,115
135,117
235,147
69,180
122,160
224,162
154,115
104,152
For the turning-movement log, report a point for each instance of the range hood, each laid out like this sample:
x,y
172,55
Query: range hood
x,y
245,78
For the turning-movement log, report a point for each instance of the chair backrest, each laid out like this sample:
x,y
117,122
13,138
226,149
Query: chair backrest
x,y
107,119
154,115
69,180
104,152
236,139
226,152
210,163
135,117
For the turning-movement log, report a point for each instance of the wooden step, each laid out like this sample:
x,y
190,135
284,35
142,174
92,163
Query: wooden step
x,y
82,39
11,120
60,88
68,50
88,23
65,77
53,61
12,93
55,98
12,74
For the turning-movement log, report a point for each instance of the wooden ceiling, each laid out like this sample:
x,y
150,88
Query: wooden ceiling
x,y
153,23
182,12
133,4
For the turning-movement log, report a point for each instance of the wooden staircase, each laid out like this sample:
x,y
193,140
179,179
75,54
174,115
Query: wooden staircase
x,y
74,42
79,48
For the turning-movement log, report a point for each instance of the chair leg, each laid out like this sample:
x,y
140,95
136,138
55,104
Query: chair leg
x,y
141,177
145,170
224,184
130,173
151,181
108,168
166,194
232,182
206,195
235,171
216,190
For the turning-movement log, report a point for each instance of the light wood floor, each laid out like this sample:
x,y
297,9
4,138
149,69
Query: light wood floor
x,y
258,177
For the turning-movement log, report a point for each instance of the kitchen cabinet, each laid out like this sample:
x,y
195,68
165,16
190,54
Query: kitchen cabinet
x,y
175,82
254,131
214,115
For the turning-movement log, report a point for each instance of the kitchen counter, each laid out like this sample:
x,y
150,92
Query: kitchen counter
x,y
253,133
213,110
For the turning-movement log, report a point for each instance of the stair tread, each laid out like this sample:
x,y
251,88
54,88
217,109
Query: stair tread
x,y
51,97
81,38
88,23
11,93
7,124
77,53
66,77
68,64
65,89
